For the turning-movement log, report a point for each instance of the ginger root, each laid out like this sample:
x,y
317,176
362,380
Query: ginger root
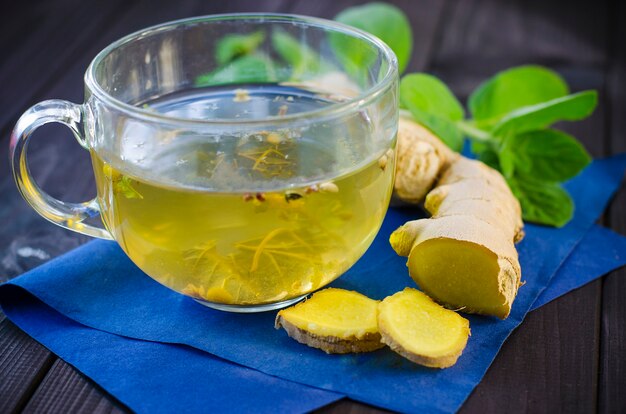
x,y
417,328
421,156
336,321
464,256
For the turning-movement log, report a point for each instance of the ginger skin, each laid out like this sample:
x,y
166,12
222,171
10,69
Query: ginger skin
x,y
421,156
464,256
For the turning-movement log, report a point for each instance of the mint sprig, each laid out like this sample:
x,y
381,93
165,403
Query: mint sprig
x,y
513,135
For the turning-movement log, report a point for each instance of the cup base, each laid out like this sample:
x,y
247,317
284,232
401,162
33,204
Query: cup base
x,y
250,308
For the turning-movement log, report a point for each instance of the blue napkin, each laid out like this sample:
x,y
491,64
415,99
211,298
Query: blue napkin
x,y
152,377
98,287
155,377
599,252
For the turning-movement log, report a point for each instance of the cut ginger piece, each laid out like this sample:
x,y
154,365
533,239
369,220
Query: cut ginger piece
x,y
336,321
464,256
419,329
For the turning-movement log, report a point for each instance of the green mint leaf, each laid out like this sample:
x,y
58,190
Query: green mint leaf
x,y
486,153
507,158
433,105
125,187
568,108
443,128
429,94
299,56
512,89
383,20
255,68
543,203
233,46
549,155
490,157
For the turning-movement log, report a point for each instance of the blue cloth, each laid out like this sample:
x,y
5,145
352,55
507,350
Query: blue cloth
x,y
98,287
599,252
154,377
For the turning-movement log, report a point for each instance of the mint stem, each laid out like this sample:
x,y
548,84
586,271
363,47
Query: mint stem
x,y
474,133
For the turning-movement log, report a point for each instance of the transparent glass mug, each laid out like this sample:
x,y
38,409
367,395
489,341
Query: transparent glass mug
x,y
243,160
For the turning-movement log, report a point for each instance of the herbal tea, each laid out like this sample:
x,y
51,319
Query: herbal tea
x,y
252,218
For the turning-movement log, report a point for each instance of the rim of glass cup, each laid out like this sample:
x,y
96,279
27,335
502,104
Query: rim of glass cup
x,y
333,110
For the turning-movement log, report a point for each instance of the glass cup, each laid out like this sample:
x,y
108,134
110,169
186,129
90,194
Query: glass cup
x,y
243,160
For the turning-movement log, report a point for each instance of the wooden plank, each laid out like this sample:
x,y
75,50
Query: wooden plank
x,y
485,36
544,366
55,33
551,362
25,360
612,381
64,390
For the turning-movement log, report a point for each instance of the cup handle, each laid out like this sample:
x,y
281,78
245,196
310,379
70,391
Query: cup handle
x,y
68,215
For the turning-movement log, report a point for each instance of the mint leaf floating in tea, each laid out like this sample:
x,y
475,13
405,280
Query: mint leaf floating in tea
x,y
121,184
233,46
125,187
383,20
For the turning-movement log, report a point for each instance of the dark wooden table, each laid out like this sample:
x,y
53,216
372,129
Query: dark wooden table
x,y
568,356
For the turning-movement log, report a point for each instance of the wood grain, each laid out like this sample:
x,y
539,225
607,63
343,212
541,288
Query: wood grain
x,y
50,36
23,362
612,381
64,390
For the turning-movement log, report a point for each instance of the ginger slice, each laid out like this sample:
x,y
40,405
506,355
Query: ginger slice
x,y
336,321
419,329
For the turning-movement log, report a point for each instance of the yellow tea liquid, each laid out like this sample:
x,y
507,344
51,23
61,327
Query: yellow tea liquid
x,y
195,224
